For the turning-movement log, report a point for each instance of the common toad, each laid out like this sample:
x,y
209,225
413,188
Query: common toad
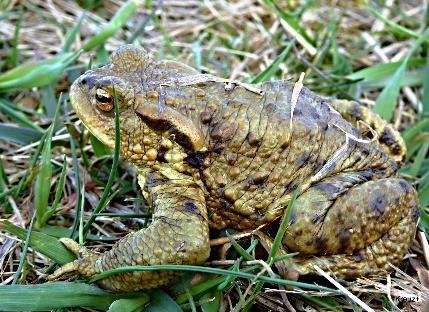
x,y
217,153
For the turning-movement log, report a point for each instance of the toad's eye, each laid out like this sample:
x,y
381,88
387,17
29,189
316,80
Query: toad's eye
x,y
104,100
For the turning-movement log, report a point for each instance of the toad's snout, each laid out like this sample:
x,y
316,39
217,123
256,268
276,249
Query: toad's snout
x,y
88,79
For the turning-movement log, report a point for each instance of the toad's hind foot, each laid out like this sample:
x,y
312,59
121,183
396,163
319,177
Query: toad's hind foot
x,y
388,137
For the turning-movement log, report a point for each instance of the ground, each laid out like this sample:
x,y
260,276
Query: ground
x,y
351,50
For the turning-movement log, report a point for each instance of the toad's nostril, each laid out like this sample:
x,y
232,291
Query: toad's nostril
x,y
87,80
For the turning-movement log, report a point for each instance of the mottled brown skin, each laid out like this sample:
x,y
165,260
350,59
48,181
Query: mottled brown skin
x,y
217,154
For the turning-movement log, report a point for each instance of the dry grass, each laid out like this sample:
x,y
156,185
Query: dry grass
x,y
232,39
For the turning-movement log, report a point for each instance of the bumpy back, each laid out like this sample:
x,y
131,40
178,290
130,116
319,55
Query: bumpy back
x,y
259,148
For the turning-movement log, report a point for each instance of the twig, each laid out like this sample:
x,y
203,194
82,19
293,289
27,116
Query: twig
x,y
362,304
425,246
307,46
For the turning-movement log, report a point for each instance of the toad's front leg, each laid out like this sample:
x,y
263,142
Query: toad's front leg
x,y
178,234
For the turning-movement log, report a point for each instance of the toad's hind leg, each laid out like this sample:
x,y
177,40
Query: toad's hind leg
x,y
352,229
388,137
375,259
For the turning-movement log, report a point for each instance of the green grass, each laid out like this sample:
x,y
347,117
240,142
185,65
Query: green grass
x,y
55,182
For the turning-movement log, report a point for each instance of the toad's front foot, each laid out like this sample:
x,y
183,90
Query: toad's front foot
x,y
178,234
84,265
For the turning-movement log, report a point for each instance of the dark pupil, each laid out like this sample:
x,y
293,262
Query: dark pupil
x,y
102,99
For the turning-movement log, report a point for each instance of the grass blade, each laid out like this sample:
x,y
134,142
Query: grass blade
x,y
209,270
79,189
36,74
328,303
191,301
383,71
71,34
424,196
19,135
28,68
410,134
118,20
129,305
48,100
9,109
4,182
42,186
99,148
201,288
58,192
274,248
51,296
43,243
31,171
59,232
395,27
425,108
411,78
245,254
293,23
24,251
283,226
213,302
161,301
229,280
197,52
386,101
13,56
424,220
274,66
415,167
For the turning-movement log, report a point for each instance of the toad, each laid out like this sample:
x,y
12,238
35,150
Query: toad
x,y
215,153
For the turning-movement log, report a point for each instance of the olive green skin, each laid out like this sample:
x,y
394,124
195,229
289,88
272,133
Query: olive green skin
x,y
215,154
